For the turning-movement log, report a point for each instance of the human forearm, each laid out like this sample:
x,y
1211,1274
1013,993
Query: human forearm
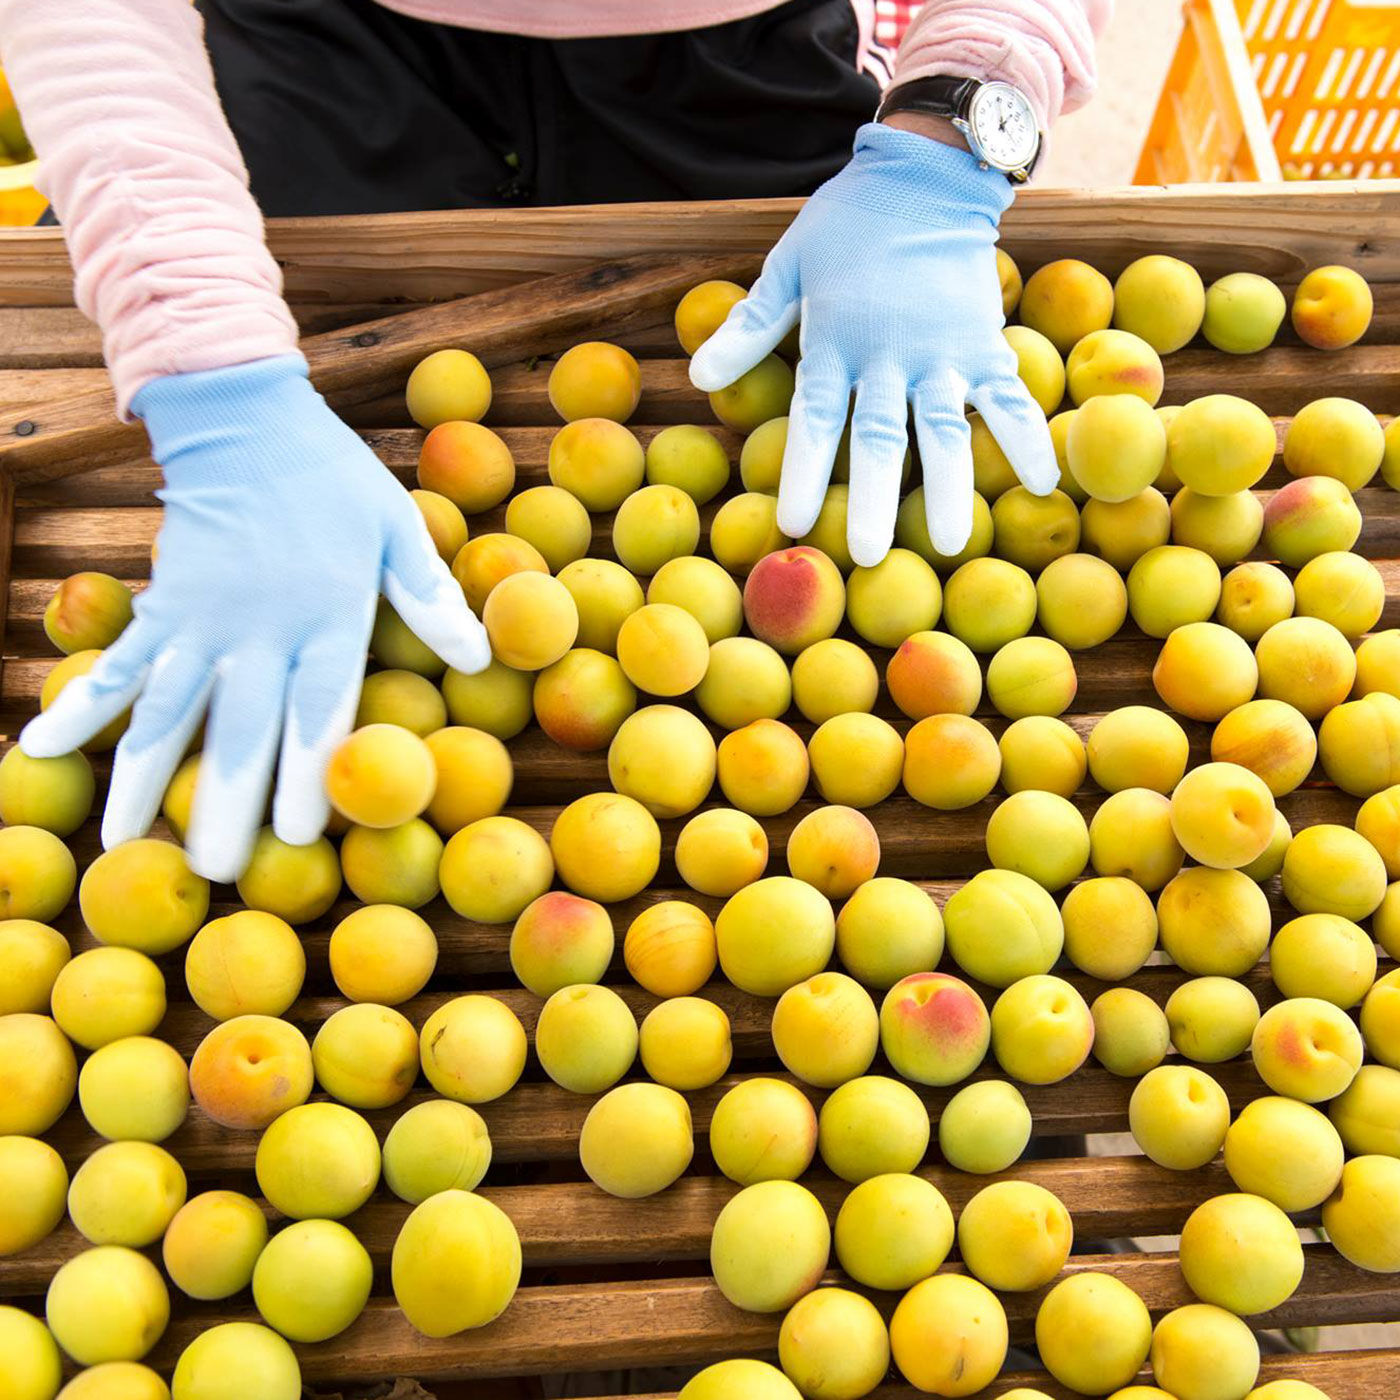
x,y
166,241
1044,47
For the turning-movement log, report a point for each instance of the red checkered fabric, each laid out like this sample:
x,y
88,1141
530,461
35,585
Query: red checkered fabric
x,y
892,18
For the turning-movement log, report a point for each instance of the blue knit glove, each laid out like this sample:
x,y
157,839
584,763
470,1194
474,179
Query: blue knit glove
x,y
281,527
891,269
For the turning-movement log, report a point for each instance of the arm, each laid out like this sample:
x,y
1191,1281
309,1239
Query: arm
x,y
280,527
910,212
1043,47
166,241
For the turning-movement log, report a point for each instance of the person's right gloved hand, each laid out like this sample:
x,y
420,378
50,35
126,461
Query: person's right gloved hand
x,y
281,529
891,268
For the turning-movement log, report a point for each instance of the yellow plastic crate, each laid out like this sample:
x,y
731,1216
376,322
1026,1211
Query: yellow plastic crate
x,y
1279,89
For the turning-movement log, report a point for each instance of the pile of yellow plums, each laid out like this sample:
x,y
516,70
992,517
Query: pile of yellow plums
x,y
710,675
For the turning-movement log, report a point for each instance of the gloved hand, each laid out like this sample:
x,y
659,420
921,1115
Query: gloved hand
x,y
891,268
281,527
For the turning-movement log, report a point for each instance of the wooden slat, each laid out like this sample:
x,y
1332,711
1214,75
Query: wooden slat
x,y
573,1223
1281,380
7,535
357,365
51,542
1118,672
1340,1375
538,1121
27,643
478,953
579,1327
545,773
1278,230
133,482
915,841
749,1016
61,337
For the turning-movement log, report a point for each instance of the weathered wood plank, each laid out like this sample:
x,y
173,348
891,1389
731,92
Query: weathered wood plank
x,y
1341,1375
1278,230
749,1016
540,1122
571,1223
915,841
358,365
1281,381
7,538
583,1327
133,482
545,772
61,337
29,596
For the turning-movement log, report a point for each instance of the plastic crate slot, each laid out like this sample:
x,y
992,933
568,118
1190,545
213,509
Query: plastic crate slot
x,y
1329,119
1276,16
1388,124
1295,72
1329,73
1391,73
1368,78
1358,56
1305,126
1319,15
1339,140
1363,132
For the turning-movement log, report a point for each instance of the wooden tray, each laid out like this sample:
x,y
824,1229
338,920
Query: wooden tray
x,y
612,1284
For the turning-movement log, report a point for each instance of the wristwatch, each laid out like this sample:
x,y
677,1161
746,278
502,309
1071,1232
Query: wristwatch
x,y
996,119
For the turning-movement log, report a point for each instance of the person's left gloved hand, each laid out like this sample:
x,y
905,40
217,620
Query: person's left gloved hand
x,y
281,528
891,268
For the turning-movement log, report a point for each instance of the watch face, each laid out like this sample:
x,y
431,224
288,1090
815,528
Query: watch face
x,y
1003,126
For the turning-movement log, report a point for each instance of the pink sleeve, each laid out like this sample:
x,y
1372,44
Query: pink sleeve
x,y
166,241
1044,47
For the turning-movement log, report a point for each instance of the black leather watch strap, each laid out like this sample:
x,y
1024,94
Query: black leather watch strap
x,y
943,96
949,97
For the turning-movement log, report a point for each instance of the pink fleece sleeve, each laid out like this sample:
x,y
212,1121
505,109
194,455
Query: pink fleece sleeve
x,y
1044,47
166,241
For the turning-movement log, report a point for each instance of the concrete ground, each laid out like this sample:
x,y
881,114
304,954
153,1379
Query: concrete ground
x,y
1099,144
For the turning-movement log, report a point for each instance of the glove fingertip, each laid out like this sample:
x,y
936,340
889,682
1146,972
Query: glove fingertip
x,y
950,530
869,544
796,520
470,655
1038,470
298,821
719,362
950,540
42,738
118,827
219,857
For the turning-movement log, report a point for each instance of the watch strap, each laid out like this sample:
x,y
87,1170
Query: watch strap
x,y
944,95
948,96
